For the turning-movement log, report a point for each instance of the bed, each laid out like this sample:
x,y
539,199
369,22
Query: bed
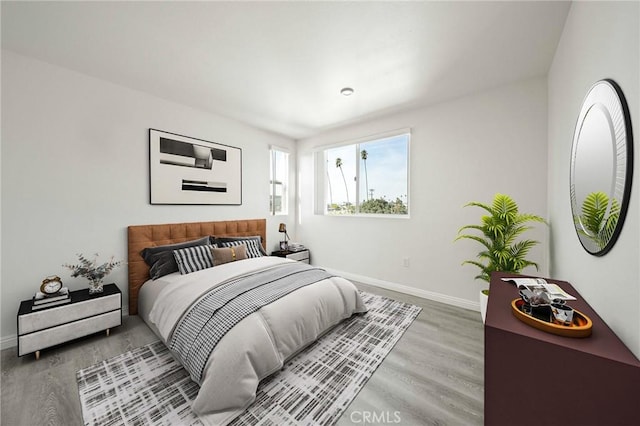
x,y
223,323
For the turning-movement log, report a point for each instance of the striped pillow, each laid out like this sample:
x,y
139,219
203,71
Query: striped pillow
x,y
254,248
192,259
257,238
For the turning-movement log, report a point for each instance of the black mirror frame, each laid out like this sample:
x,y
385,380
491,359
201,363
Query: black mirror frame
x,y
628,175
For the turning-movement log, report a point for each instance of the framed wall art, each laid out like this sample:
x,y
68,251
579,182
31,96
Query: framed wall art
x,y
184,170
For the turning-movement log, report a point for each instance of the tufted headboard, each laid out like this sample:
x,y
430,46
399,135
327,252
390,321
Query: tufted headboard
x,y
142,236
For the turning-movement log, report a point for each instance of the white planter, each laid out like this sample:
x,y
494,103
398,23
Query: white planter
x,y
484,299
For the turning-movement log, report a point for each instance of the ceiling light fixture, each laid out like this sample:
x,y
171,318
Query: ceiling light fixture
x,y
347,91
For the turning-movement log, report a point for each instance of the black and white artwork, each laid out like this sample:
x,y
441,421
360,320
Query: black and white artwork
x,y
185,170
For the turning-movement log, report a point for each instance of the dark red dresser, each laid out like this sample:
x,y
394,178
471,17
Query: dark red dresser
x,y
537,378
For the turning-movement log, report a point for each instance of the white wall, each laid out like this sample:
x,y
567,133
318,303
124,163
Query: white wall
x,y
600,40
75,173
463,150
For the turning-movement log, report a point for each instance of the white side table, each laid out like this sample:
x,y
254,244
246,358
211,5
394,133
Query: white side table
x,y
85,314
303,256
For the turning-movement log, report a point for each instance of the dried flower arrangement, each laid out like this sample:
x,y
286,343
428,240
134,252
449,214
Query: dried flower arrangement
x,y
90,270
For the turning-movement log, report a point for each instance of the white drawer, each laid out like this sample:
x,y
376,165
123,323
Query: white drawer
x,y
301,256
53,336
63,314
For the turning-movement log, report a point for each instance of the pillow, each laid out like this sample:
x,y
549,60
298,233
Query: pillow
x,y
254,244
192,259
161,260
228,254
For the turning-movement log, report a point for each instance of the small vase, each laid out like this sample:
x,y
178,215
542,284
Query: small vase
x,y
95,286
484,301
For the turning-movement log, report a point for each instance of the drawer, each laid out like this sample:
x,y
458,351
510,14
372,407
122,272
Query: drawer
x,y
53,336
63,314
302,255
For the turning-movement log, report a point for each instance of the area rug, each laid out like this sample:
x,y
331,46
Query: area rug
x,y
146,386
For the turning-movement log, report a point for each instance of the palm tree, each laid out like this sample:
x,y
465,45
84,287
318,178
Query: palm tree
x,y
329,181
364,155
339,165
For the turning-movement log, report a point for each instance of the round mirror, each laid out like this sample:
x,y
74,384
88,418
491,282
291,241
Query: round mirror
x,y
601,167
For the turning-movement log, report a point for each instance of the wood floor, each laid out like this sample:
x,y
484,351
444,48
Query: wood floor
x,y
433,376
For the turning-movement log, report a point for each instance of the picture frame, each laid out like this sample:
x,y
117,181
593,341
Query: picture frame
x,y
186,170
284,246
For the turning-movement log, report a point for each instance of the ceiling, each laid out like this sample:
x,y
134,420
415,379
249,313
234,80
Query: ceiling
x,y
280,66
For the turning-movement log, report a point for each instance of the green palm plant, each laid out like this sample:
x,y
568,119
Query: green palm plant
x,y
593,222
499,232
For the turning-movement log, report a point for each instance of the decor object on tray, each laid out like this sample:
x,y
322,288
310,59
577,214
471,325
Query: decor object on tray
x,y
154,389
90,270
544,318
543,305
186,170
499,232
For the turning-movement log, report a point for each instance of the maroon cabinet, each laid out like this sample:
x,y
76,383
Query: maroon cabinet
x,y
537,378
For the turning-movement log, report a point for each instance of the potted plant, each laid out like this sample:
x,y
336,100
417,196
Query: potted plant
x,y
90,270
498,234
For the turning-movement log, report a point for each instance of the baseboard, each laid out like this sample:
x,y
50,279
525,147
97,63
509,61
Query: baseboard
x,y
401,288
8,342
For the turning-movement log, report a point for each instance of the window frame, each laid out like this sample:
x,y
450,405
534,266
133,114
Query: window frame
x,y
322,181
273,181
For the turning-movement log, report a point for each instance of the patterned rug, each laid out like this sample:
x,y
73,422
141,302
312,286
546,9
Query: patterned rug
x,y
146,386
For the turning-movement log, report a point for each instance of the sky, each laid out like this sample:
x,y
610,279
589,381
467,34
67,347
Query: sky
x,y
387,169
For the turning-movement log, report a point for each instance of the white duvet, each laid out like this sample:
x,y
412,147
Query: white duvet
x,y
259,344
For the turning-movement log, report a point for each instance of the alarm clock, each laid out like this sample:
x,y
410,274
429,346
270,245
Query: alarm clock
x,y
51,285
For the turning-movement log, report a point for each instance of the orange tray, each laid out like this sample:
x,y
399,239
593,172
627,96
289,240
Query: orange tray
x,y
581,326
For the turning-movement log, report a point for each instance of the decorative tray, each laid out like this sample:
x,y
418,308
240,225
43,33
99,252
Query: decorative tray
x,y
580,326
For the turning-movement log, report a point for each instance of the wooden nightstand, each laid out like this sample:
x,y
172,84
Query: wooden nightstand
x,y
85,314
301,255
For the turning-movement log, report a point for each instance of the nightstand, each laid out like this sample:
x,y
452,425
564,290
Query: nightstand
x,y
85,314
301,255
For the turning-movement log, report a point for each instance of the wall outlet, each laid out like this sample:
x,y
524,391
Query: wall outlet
x,y
405,262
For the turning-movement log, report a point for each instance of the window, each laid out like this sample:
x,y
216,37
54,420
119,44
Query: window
x,y
370,176
279,181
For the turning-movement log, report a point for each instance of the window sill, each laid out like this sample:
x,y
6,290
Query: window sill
x,y
369,216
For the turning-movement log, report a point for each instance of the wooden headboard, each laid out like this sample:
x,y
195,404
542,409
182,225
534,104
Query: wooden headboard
x,y
142,236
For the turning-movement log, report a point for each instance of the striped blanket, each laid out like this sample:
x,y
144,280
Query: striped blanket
x,y
207,321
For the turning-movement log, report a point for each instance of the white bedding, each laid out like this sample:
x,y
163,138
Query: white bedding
x,y
259,344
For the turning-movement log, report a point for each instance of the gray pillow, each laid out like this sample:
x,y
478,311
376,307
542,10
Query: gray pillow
x,y
161,260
